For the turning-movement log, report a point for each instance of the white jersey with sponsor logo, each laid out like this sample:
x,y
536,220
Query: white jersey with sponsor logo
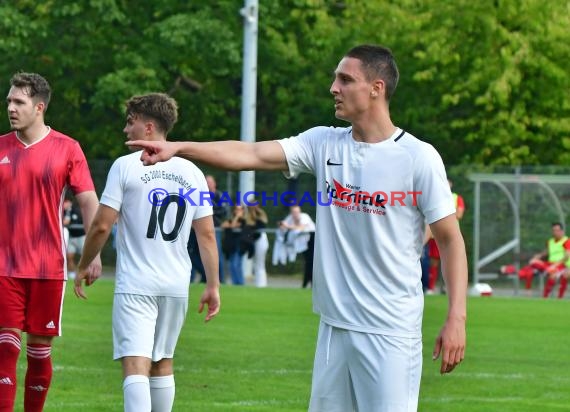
x,y
367,274
156,206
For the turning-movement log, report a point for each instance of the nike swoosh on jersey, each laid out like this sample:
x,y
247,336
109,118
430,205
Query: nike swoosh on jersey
x,y
331,163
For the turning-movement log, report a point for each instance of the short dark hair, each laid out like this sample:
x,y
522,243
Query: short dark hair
x,y
558,224
37,87
157,107
377,62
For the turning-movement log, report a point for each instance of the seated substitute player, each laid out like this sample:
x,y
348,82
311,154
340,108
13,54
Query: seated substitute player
x,y
155,210
554,261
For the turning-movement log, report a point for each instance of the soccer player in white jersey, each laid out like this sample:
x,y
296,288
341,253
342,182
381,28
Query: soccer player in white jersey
x,y
381,183
155,208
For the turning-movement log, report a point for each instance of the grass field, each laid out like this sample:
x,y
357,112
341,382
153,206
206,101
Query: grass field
x,y
257,355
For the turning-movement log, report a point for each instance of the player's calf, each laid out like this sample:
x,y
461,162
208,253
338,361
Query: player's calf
x,y
10,345
38,376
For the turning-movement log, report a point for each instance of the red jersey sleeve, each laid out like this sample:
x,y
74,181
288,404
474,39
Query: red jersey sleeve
x,y
79,177
460,202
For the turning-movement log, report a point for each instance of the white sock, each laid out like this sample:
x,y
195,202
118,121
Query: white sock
x,y
162,393
136,393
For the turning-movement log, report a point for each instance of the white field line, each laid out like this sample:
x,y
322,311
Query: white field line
x,y
541,402
279,372
499,376
269,402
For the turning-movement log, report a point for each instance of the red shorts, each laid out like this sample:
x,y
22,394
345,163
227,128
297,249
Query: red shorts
x,y
433,249
32,305
557,268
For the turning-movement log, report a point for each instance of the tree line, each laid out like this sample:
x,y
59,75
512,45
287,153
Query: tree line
x,y
485,82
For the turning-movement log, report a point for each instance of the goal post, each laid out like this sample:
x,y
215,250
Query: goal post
x,y
512,217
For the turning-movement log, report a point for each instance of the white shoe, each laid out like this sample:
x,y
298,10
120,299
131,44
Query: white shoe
x,y
71,275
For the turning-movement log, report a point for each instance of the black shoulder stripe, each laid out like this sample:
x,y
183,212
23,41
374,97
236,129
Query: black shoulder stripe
x,y
400,136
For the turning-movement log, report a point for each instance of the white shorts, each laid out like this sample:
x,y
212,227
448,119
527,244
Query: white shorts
x,y
75,244
65,237
147,326
365,372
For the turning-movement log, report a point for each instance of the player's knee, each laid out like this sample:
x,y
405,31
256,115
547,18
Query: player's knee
x,y
162,368
136,365
10,346
39,339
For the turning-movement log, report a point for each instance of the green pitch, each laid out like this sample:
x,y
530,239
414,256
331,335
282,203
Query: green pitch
x,y
257,355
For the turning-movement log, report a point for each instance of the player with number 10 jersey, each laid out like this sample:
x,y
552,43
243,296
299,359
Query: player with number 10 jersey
x,y
162,202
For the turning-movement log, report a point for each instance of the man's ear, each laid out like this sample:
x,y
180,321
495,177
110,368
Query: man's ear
x,y
378,88
40,107
149,128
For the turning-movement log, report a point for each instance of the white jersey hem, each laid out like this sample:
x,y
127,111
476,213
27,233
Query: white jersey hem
x,y
368,329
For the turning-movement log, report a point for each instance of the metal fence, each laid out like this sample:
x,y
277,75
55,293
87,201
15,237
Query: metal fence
x,y
266,182
496,219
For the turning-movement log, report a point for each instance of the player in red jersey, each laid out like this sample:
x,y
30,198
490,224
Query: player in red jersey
x,y
37,166
434,257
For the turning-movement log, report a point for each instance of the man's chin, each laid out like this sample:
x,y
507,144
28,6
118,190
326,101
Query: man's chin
x,y
340,116
133,148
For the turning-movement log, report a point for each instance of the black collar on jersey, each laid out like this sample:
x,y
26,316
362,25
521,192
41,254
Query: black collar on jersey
x,y
396,139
